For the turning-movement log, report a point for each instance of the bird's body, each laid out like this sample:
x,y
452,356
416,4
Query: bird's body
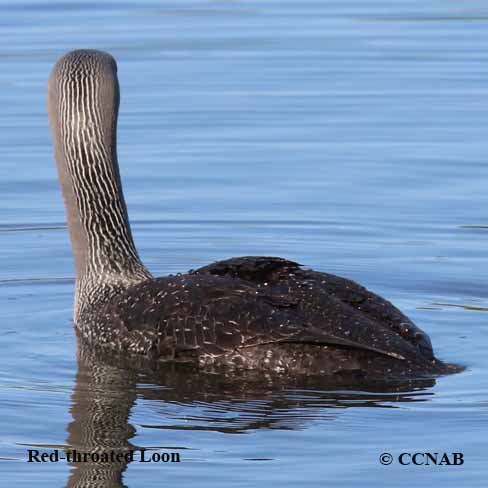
x,y
261,313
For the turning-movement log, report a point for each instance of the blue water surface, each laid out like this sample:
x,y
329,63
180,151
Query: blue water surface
x,y
348,135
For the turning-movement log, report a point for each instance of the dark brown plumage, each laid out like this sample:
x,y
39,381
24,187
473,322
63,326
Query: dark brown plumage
x,y
264,313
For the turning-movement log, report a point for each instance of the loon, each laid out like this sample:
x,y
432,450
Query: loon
x,y
247,313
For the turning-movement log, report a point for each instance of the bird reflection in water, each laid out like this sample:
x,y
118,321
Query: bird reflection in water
x,y
106,389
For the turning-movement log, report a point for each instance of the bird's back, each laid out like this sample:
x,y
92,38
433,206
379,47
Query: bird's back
x,y
263,313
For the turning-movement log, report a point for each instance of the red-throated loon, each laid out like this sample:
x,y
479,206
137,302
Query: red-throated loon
x,y
249,312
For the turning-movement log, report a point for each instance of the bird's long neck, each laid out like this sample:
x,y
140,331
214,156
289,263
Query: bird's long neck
x,y
83,113
97,215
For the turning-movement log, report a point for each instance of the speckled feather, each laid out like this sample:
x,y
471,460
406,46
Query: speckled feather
x,y
263,312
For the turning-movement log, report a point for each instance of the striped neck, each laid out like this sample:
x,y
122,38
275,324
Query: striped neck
x,y
83,101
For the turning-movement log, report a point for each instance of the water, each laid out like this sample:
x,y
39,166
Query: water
x,y
348,135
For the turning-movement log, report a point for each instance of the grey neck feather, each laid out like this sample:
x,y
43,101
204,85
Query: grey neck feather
x,y
83,103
